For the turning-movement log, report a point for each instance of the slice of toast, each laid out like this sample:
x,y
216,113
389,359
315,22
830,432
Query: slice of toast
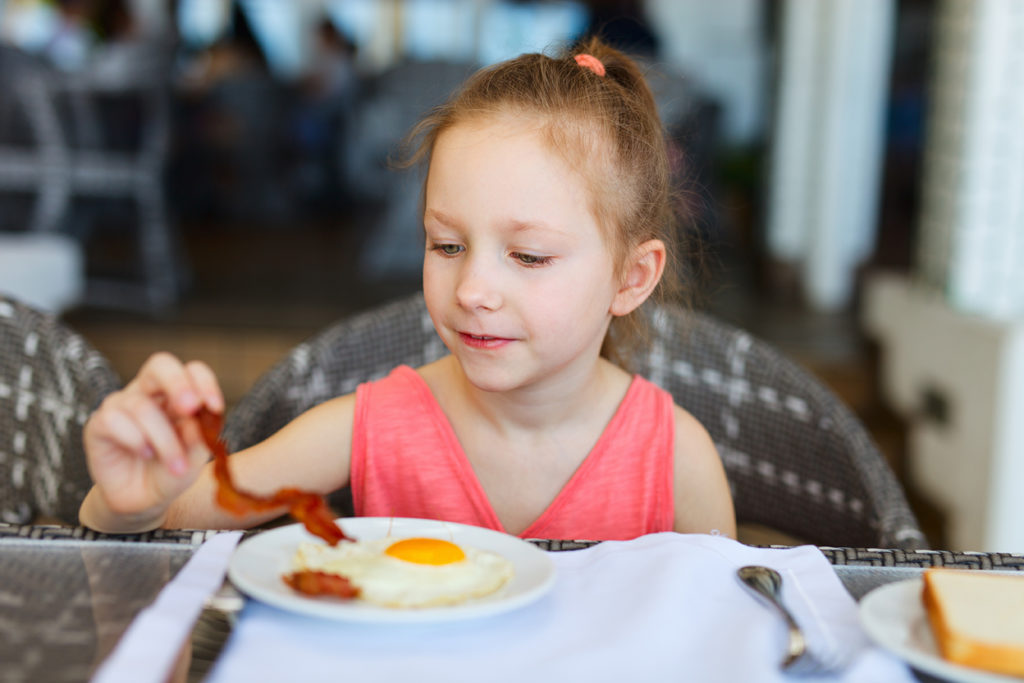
x,y
977,618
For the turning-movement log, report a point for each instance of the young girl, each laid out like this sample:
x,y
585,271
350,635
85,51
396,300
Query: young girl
x,y
547,215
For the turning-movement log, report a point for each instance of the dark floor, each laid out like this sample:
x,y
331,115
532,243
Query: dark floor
x,y
254,293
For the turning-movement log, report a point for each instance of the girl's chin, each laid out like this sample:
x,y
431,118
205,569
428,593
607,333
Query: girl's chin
x,y
494,377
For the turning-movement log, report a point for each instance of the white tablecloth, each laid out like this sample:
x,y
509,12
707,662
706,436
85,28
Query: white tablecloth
x,y
659,608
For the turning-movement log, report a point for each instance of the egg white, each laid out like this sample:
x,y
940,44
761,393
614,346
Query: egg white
x,y
390,582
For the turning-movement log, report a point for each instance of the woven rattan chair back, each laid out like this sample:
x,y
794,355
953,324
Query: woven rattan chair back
x,y
797,459
50,380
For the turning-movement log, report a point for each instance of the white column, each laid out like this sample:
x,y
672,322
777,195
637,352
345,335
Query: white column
x,y
971,243
828,140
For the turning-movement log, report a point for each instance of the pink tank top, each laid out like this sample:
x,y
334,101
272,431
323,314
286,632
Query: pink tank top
x,y
407,462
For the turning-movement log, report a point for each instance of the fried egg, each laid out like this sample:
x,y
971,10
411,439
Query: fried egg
x,y
409,572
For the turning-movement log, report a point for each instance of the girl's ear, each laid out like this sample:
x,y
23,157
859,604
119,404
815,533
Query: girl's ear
x,y
646,265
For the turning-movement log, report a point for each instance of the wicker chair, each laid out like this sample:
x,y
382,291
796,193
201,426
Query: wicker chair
x,y
50,380
798,461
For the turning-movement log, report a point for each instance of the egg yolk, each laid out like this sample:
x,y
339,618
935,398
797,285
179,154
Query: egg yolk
x,y
426,551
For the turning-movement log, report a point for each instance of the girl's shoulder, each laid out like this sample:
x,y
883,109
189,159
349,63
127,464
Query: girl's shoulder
x,y
696,457
689,430
703,501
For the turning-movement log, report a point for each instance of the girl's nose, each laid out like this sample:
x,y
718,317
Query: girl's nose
x,y
476,288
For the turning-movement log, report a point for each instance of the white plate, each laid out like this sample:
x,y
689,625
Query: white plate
x,y
894,617
259,562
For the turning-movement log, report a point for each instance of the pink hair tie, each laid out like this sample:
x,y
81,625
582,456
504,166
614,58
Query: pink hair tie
x,y
590,62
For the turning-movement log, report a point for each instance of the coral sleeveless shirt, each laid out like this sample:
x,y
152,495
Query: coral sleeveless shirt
x,y
407,462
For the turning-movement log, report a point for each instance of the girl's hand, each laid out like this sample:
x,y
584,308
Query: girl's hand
x,y
143,443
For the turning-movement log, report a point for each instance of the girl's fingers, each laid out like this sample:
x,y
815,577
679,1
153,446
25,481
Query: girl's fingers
x,y
158,432
205,382
114,425
164,375
154,417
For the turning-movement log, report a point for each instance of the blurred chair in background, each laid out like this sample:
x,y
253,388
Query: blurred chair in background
x,y
797,459
58,143
386,107
50,380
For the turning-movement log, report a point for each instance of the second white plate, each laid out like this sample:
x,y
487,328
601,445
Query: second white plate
x,y
894,617
259,562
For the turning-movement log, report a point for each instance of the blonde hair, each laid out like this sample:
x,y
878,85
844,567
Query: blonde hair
x,y
607,128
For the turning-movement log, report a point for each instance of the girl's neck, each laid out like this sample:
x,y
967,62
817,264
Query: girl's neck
x,y
572,397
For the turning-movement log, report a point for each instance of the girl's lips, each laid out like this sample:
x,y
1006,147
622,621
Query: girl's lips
x,y
483,341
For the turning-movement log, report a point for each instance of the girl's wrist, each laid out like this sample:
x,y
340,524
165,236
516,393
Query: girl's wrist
x,y
96,513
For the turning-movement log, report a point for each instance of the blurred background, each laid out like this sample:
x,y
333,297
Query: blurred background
x,y
211,177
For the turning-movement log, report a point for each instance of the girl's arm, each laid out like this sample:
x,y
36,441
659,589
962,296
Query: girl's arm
x,y
703,503
150,467
312,453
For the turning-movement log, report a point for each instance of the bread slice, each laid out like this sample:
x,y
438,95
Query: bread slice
x,y
977,618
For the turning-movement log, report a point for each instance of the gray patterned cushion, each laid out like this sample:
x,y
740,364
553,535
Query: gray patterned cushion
x,y
50,380
797,459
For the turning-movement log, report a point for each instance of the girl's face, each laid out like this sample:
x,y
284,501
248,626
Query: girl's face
x,y
517,276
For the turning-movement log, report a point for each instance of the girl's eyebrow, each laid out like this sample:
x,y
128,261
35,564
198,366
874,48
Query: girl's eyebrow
x,y
525,226
515,225
441,217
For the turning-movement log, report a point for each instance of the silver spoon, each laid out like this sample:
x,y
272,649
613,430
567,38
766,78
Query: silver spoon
x,y
767,583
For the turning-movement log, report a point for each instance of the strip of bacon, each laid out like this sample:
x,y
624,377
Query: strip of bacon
x,y
321,583
309,508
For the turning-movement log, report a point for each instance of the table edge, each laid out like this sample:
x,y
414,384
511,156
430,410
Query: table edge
x,y
840,556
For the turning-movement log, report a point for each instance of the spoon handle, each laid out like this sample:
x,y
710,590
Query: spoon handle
x,y
767,583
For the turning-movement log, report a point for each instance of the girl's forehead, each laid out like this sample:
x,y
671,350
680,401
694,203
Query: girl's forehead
x,y
504,171
578,145
575,151
506,147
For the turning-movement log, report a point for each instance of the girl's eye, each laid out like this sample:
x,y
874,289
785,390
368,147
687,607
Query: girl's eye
x,y
448,249
530,259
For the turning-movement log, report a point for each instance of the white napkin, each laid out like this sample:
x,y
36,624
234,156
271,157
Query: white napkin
x,y
662,607
148,649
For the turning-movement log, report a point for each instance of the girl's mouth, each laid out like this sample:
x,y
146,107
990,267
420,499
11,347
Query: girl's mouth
x,y
478,341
